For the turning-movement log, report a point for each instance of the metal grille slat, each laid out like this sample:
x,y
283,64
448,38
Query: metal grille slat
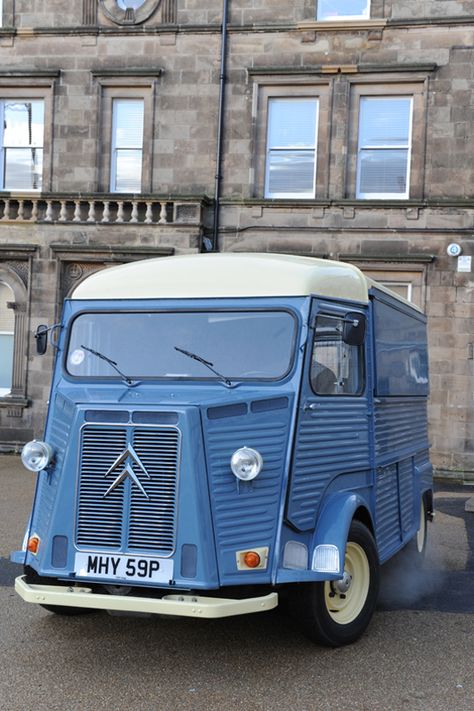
x,y
99,519
125,520
152,522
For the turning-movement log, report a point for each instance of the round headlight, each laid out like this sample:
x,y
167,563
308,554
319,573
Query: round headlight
x,y
36,455
246,463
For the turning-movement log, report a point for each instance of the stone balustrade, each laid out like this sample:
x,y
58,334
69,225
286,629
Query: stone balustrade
x,y
99,209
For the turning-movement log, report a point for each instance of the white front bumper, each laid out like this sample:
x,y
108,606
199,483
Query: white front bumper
x,y
176,604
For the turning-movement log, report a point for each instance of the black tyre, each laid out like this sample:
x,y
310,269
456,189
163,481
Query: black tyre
x,y
335,613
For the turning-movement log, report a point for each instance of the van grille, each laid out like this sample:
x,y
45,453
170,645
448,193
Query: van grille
x,y
125,519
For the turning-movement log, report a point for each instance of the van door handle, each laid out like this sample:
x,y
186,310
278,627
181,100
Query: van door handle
x,y
310,406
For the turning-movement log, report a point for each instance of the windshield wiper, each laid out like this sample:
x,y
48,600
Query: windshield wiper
x,y
207,363
113,364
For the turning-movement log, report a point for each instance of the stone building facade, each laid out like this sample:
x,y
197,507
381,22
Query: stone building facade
x,y
327,67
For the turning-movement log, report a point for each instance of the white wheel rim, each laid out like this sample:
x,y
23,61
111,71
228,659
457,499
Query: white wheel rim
x,y
345,607
421,533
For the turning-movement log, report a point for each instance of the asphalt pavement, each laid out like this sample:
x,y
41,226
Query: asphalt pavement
x,y
417,655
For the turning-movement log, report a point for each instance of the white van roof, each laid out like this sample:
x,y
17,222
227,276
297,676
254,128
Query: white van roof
x,y
229,274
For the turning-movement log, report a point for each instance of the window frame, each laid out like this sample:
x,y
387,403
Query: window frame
x,y
411,275
358,350
114,149
124,86
389,85
34,86
344,18
119,16
268,87
293,149
388,147
4,148
404,284
214,379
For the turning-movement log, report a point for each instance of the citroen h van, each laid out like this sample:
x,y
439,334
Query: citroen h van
x,y
225,430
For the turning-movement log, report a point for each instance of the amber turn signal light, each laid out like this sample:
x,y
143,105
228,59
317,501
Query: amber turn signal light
x,y
252,559
33,544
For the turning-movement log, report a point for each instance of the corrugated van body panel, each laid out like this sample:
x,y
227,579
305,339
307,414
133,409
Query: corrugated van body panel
x,y
246,514
387,511
401,428
59,433
333,440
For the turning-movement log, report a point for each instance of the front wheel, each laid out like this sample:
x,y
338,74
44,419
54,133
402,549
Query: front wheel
x,y
337,612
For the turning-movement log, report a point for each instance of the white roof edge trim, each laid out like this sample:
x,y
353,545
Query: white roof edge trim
x,y
229,275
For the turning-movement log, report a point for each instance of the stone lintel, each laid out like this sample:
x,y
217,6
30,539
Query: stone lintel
x,y
17,251
317,69
106,252
410,258
129,72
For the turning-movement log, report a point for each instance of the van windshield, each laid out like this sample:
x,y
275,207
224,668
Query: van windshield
x,y
237,345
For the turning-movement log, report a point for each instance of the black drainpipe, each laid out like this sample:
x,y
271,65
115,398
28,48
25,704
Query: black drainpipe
x,y
220,128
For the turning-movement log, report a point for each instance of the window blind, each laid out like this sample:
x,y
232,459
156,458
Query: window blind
x,y
291,147
128,123
127,148
384,147
384,122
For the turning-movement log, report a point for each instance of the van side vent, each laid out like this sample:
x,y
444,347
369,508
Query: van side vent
x,y
275,403
216,413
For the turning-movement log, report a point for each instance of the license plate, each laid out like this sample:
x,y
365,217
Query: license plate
x,y
123,568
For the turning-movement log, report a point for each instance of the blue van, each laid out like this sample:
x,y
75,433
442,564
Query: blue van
x,y
228,429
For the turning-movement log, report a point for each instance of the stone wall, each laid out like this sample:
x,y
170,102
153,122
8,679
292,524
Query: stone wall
x,y
78,56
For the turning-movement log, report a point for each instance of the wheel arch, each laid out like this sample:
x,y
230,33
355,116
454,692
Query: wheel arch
x,y
334,522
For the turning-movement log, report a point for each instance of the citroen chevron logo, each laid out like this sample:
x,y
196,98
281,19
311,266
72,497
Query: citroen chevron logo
x,y
130,457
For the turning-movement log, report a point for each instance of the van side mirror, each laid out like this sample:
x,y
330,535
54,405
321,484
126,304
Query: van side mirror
x,y
354,329
41,336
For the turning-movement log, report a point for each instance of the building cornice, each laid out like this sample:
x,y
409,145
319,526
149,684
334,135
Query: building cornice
x,y
341,25
406,258
305,26
125,73
106,252
320,69
20,250
430,21
427,203
28,73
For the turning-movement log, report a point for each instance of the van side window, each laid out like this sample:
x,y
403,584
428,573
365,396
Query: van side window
x,y
336,367
401,353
